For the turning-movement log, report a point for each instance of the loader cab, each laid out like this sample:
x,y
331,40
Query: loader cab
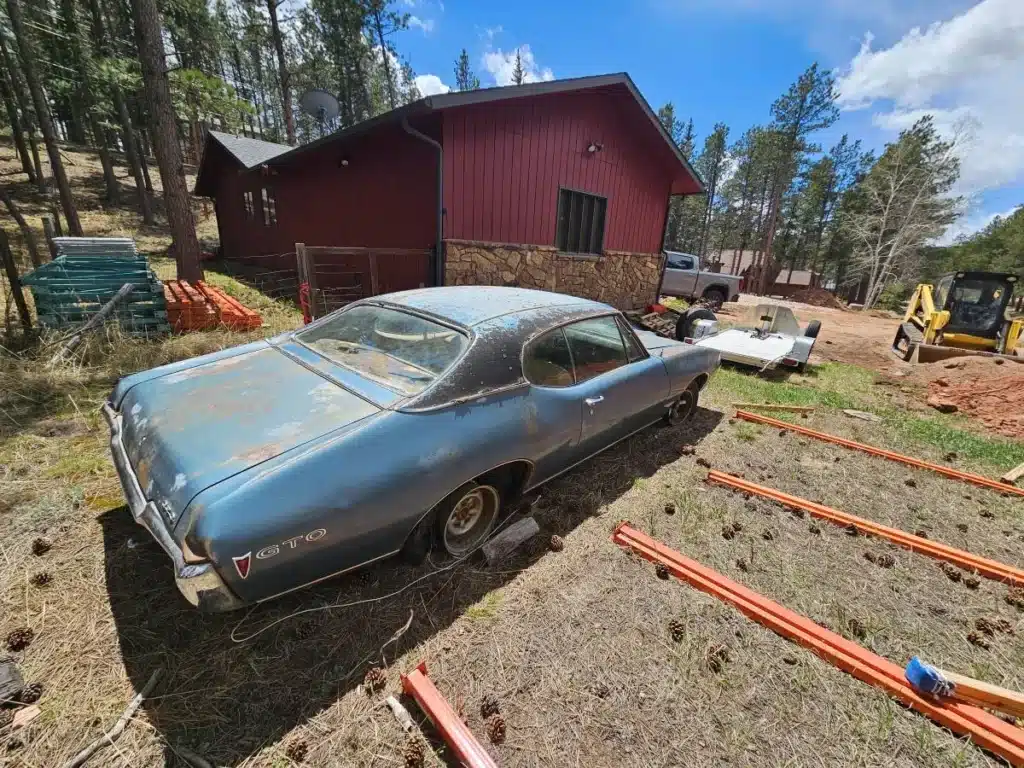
x,y
976,302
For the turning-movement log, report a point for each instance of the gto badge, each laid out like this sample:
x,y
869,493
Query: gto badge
x,y
244,562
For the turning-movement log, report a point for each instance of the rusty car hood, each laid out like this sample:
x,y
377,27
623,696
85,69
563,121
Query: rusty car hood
x,y
192,428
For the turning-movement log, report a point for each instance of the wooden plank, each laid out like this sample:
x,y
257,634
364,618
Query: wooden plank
x,y
985,694
323,250
12,277
774,407
50,233
1014,474
308,271
374,282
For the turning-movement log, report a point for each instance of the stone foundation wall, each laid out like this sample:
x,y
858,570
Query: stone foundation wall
x,y
624,280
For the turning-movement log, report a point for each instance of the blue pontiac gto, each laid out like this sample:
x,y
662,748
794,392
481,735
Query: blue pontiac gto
x,y
397,423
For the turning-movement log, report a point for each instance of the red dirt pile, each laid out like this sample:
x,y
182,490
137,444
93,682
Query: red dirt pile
x,y
994,401
817,297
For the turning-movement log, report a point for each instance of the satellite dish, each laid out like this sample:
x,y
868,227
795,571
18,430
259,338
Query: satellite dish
x,y
319,104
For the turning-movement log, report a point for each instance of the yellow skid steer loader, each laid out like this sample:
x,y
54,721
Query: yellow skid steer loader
x,y
964,314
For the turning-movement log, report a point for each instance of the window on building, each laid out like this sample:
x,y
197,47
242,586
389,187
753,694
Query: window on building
x,y
596,347
269,207
580,222
250,210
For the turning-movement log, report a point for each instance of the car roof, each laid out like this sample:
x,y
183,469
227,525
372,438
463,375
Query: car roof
x,y
471,305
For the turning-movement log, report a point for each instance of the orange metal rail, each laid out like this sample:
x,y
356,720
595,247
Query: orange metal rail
x,y
991,569
983,728
465,746
956,474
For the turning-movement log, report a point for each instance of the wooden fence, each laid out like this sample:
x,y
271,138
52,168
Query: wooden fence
x,y
337,276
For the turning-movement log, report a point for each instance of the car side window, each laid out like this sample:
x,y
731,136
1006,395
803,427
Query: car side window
x,y
547,362
596,347
678,261
633,349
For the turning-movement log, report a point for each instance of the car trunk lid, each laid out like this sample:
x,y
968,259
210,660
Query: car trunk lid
x,y
191,429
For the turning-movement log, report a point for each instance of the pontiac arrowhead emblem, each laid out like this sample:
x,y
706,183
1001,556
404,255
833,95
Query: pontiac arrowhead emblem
x,y
242,564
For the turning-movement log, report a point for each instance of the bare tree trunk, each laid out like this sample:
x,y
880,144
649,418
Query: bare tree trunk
x,y
16,133
15,280
28,59
143,142
25,127
165,140
384,56
282,69
26,230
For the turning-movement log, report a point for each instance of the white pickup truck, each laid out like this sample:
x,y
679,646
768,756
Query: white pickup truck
x,y
684,278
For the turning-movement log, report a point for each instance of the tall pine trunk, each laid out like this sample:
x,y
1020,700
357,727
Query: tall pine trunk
x,y
26,119
28,54
16,133
165,139
378,23
282,69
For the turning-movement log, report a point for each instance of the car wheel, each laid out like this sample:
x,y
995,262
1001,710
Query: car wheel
x,y
467,517
812,329
685,323
684,406
714,298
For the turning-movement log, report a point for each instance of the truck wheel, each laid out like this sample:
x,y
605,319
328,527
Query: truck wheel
x,y
812,329
684,407
715,298
685,323
466,517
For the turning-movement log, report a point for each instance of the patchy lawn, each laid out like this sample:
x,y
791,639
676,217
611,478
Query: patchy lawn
x,y
575,645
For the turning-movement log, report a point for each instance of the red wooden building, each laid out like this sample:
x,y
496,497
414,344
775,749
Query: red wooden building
x,y
562,185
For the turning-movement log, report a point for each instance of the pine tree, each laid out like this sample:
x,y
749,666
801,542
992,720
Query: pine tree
x,y
282,70
465,79
26,48
7,94
165,139
518,75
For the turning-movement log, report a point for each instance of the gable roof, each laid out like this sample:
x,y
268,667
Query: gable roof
x,y
247,152
441,102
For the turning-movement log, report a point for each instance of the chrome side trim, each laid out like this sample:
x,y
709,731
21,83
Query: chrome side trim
x,y
328,576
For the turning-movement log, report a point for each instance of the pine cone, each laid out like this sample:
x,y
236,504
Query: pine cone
x,y
297,751
489,706
952,573
41,546
496,729
376,678
661,570
677,630
41,579
972,582
814,529
413,752
727,532
767,535
31,693
20,639
715,657
979,640
985,626
557,544
885,561
670,508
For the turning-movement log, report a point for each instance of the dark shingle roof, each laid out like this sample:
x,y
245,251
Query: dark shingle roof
x,y
249,152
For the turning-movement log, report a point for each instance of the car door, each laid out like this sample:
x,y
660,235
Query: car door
x,y
680,274
620,386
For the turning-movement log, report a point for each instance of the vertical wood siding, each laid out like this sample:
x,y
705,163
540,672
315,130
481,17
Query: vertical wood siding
x,y
505,161
385,198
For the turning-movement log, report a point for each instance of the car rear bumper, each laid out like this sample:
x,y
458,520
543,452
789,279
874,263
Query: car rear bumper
x,y
198,582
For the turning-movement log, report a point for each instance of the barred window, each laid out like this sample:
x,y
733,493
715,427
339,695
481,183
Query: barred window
x,y
580,222
250,210
269,207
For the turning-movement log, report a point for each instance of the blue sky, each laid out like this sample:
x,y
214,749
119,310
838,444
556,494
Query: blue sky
x,y
727,60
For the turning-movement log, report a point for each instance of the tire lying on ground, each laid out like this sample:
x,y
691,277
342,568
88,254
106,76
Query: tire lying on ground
x,y
689,318
812,329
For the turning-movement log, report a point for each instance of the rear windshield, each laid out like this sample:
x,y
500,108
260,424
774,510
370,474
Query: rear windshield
x,y
402,351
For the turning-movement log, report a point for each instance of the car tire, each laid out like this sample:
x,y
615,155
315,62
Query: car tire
x,y
685,323
683,408
812,329
715,298
466,518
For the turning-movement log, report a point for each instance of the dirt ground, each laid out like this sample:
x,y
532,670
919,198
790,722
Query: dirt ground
x,y
574,646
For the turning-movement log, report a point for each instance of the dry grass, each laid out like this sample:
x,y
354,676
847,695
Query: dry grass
x,y
575,646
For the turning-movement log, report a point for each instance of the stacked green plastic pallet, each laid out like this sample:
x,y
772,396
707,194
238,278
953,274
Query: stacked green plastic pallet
x,y
86,274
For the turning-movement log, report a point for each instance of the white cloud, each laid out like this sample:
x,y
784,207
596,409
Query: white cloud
x,y
501,64
430,85
967,69
975,222
490,33
427,25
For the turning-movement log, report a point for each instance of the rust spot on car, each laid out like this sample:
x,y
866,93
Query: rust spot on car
x,y
260,453
142,472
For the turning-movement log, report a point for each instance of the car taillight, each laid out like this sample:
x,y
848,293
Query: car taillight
x,y
791,362
688,340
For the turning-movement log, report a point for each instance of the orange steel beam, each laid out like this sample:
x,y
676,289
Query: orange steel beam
x,y
465,746
983,728
991,569
956,474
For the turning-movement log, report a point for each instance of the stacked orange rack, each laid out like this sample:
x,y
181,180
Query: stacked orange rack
x,y
201,306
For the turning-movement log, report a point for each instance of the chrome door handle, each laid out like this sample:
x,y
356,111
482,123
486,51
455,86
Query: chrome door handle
x,y
592,401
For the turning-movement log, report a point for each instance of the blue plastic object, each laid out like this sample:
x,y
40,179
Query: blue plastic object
x,y
924,677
